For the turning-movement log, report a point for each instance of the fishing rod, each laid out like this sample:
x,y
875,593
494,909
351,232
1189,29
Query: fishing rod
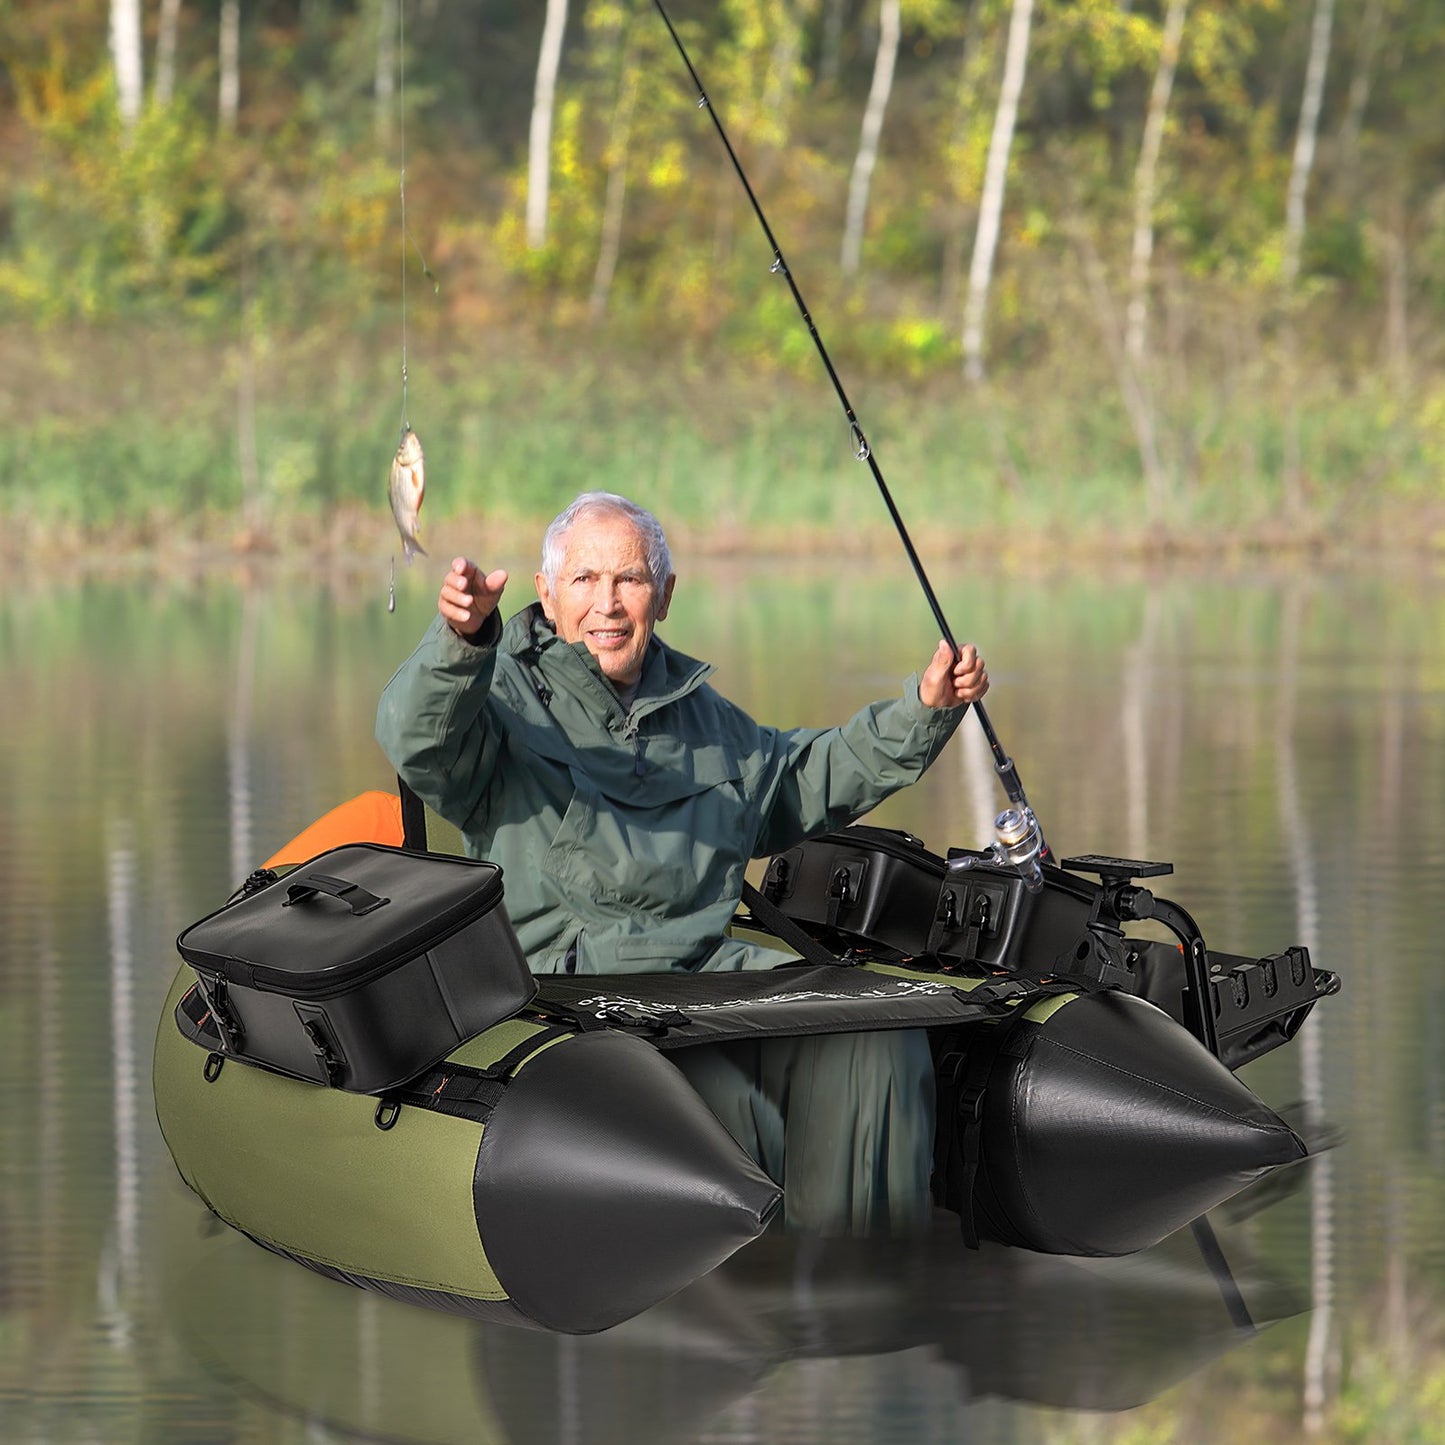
x,y
1020,841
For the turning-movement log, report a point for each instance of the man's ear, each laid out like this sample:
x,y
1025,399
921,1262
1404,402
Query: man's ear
x,y
544,595
666,598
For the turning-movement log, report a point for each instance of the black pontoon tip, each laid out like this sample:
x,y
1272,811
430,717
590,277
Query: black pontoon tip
x,y
604,1184
1108,1126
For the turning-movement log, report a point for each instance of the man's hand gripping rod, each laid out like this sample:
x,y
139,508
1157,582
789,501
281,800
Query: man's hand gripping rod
x,y
1020,840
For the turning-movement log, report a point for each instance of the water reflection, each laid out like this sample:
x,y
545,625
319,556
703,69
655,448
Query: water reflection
x,y
1281,741
1295,829
997,1325
120,1261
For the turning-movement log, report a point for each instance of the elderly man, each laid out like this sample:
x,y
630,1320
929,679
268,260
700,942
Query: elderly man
x,y
623,798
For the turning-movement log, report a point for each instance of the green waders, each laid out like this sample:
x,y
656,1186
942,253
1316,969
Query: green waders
x,y
844,1122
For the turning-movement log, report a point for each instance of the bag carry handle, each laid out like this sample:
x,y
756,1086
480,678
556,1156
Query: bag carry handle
x,y
352,894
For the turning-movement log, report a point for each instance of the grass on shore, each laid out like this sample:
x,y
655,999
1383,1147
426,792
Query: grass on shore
x,y
152,449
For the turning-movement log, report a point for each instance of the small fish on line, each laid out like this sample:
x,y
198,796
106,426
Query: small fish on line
x,y
405,489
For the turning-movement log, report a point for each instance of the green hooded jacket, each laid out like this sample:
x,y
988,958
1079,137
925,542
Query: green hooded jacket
x,y
623,834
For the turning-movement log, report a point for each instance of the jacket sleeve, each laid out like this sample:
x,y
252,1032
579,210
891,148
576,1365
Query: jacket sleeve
x,y
433,722
820,779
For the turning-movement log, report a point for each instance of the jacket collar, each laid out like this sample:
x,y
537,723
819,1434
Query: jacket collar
x,y
667,674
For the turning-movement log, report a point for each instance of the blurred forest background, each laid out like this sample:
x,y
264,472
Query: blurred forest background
x,y
1094,273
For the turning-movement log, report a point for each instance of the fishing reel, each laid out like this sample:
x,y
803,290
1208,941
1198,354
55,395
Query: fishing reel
x,y
1018,844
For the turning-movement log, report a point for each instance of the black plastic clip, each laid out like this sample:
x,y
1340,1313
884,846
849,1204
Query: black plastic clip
x,y
228,1030
646,1018
949,922
321,1046
844,887
777,881
388,1111
213,1066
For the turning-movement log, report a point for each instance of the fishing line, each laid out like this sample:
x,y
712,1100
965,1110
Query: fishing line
x,y
862,450
406,235
401,187
406,484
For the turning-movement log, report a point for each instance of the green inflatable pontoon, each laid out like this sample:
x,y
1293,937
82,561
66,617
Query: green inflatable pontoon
x,y
553,1167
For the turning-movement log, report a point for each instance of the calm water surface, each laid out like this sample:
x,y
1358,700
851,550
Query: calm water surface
x,y
1280,740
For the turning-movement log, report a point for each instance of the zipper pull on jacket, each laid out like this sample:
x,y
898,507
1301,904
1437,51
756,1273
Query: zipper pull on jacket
x,y
631,735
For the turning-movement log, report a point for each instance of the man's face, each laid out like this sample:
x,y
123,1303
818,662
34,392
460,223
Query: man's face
x,y
604,596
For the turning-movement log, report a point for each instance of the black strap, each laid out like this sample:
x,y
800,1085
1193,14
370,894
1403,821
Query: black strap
x,y
413,819
466,1091
1209,1248
964,1080
778,923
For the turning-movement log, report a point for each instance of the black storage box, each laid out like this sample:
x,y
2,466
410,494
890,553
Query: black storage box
x,y
864,884
882,886
361,968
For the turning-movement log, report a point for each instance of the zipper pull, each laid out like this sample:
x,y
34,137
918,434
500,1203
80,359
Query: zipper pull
x,y
630,733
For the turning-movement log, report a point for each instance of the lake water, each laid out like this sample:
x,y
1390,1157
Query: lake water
x,y
1279,739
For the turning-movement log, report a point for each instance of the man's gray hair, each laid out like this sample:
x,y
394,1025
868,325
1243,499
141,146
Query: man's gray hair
x,y
554,539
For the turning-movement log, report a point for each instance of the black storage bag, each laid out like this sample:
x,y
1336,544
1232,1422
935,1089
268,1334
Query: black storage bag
x,y
361,968
882,886
862,884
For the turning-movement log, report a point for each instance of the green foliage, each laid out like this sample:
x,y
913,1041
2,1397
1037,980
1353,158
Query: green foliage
x,y
281,242
1382,1401
116,219
1220,41
1097,41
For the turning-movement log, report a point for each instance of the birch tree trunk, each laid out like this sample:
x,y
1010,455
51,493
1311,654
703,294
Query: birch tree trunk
x,y
387,50
1131,386
831,55
1146,185
617,155
247,451
980,271
1367,45
889,25
167,27
1397,313
539,141
781,85
1306,139
125,49
228,101
970,73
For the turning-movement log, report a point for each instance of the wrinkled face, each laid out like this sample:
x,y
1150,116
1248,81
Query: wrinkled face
x,y
604,596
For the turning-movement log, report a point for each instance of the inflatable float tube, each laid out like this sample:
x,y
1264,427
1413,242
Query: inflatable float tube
x,y
556,1170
